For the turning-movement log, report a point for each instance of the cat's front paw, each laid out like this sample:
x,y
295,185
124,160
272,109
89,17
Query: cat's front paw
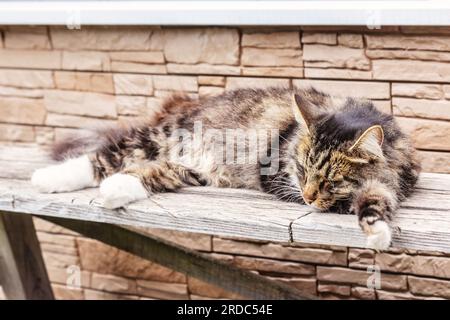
x,y
379,234
121,189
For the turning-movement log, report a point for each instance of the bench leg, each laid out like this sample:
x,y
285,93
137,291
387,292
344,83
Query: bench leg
x,y
22,270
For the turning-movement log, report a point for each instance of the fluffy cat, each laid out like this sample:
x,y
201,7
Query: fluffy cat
x,y
327,152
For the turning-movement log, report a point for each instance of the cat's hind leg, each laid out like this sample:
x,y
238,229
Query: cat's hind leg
x,y
140,181
70,175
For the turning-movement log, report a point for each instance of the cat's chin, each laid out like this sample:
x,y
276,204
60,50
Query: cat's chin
x,y
318,209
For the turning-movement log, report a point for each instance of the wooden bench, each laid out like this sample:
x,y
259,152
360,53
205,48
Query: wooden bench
x,y
422,223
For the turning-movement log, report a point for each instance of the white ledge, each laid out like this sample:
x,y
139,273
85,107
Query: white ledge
x,y
364,13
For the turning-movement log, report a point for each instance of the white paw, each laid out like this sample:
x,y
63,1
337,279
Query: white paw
x,y
379,236
73,174
120,189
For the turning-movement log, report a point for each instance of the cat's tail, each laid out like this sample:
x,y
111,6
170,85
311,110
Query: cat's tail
x,y
91,140
95,139
76,145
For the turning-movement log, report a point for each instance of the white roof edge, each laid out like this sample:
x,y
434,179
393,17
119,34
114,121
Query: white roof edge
x,y
368,13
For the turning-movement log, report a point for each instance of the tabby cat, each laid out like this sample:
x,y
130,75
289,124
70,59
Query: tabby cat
x,y
338,154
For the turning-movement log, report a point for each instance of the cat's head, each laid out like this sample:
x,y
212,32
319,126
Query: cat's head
x,y
334,151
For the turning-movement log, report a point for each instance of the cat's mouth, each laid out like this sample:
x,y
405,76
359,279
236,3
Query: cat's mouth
x,y
320,205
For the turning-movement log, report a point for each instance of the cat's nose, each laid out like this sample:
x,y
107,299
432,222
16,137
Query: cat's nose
x,y
309,196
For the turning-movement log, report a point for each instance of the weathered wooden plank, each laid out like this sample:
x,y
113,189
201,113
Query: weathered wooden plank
x,y
414,229
23,153
189,262
22,270
226,212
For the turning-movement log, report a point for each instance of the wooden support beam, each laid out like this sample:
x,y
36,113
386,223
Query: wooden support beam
x,y
189,262
22,270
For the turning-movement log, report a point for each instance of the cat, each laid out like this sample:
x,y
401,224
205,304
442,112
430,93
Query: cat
x,y
331,153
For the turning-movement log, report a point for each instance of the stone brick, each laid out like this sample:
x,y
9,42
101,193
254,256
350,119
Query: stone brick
x,y
418,90
33,59
111,283
271,57
438,162
131,105
307,286
133,84
447,91
175,83
411,55
64,276
149,57
406,42
58,260
194,241
29,38
360,89
334,57
71,121
27,79
121,66
352,40
19,92
320,37
411,70
330,73
100,258
16,133
86,60
62,292
210,90
106,38
416,108
101,295
360,258
273,71
62,133
62,244
429,287
427,134
164,94
388,295
201,288
202,68
270,250
242,82
80,103
85,81
278,40
162,290
390,262
44,136
211,81
383,105
363,293
22,110
200,45
420,265
360,277
334,288
274,266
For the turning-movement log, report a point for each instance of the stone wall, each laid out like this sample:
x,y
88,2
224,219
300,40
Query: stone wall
x,y
55,81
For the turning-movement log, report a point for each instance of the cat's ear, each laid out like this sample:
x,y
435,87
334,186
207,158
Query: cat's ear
x,y
370,142
305,112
